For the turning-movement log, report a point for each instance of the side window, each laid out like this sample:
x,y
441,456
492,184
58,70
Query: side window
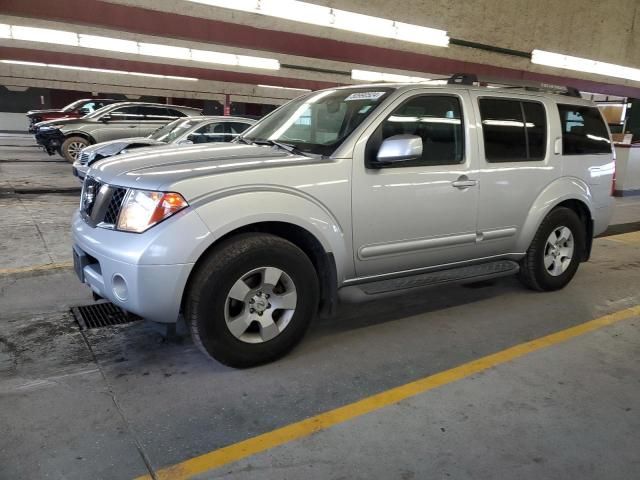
x,y
513,131
435,119
126,113
90,107
173,113
583,131
213,132
237,128
155,113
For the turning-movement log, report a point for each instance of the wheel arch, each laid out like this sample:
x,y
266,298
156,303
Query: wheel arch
x,y
570,193
80,134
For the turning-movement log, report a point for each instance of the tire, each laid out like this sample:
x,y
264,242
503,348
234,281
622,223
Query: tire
x,y
232,280
71,147
547,267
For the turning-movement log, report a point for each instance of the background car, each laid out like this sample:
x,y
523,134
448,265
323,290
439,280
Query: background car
x,y
182,131
76,109
119,120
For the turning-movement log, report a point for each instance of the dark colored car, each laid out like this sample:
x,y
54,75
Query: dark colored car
x,y
76,109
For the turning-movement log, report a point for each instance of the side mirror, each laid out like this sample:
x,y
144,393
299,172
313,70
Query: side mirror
x,y
399,148
185,142
84,111
105,118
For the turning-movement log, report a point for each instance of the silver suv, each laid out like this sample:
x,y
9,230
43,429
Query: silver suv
x,y
69,136
351,193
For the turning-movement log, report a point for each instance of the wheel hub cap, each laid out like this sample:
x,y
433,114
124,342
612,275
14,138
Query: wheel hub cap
x,y
558,253
260,305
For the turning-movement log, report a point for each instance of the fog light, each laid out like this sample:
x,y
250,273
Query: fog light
x,y
119,287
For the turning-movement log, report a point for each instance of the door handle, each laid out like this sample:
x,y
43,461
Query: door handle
x,y
464,182
132,126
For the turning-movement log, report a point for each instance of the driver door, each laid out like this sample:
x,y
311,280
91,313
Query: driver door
x,y
419,213
122,123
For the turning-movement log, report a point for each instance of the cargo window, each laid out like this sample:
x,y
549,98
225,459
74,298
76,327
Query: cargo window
x,y
437,119
513,130
583,131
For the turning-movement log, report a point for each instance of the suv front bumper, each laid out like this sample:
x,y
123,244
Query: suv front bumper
x,y
50,140
129,269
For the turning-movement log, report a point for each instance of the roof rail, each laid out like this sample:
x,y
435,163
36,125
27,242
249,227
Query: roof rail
x,y
473,80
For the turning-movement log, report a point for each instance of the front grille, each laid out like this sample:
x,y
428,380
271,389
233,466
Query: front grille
x,y
101,203
115,204
90,191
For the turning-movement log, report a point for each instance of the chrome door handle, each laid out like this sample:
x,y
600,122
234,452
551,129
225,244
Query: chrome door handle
x,y
464,183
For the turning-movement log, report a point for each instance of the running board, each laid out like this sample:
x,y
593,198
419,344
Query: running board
x,y
459,275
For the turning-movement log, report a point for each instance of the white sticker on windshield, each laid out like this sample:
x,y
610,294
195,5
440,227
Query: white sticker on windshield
x,y
364,96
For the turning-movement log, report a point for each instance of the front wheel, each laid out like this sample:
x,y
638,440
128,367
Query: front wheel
x,y
72,147
554,255
251,300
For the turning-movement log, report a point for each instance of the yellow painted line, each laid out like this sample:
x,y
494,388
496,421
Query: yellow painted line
x,y
309,426
632,238
35,268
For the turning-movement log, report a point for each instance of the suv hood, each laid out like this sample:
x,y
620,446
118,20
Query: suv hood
x,y
112,147
158,168
40,112
61,121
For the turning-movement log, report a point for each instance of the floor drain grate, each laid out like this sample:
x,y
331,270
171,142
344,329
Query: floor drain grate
x,y
101,315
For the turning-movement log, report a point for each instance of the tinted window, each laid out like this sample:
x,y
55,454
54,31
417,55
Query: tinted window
x,y
435,119
176,113
155,113
126,113
513,131
583,131
536,125
238,127
213,132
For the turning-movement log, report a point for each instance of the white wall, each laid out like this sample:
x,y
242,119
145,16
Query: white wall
x,y
13,122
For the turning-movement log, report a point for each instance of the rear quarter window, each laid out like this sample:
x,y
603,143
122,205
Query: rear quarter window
x,y
583,131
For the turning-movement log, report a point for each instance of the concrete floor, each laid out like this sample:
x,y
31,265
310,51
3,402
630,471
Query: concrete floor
x,y
110,403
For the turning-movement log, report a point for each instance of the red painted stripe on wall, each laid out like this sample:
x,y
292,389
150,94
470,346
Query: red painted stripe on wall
x,y
163,24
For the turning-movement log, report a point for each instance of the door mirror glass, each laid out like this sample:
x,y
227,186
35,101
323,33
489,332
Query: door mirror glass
x,y
400,148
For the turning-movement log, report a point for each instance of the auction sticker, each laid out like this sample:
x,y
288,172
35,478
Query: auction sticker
x,y
364,96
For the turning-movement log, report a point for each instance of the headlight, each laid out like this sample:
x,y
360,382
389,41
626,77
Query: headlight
x,y
51,127
142,209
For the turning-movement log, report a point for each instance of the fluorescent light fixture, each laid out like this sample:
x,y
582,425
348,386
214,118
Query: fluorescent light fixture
x,y
305,12
568,62
97,70
28,64
107,43
369,76
32,34
5,30
45,35
165,51
285,88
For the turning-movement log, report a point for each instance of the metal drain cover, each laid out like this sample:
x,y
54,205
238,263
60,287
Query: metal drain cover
x,y
101,315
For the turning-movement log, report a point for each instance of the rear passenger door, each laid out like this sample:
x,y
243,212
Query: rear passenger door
x,y
516,164
155,117
120,123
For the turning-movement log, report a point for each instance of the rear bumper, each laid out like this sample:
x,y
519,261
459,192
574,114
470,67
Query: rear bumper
x,y
602,217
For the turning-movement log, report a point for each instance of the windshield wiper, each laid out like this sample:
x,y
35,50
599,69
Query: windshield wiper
x,y
283,146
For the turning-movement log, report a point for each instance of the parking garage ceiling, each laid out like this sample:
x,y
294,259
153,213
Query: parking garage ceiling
x,y
236,50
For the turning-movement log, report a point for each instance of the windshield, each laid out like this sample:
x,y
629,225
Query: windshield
x,y
73,105
172,131
319,122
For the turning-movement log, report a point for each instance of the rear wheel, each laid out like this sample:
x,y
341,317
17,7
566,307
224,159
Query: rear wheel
x,y
72,147
554,255
251,300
